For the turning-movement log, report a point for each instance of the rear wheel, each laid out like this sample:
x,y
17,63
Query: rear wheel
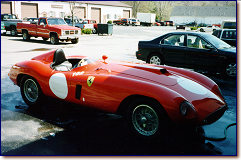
x,y
94,31
26,36
230,70
155,59
30,91
54,39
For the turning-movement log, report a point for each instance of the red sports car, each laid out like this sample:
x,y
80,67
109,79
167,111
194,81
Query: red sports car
x,y
149,96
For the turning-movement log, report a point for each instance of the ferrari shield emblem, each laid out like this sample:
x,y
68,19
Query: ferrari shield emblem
x,y
90,80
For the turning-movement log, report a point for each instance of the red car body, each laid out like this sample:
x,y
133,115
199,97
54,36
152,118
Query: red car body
x,y
106,85
46,30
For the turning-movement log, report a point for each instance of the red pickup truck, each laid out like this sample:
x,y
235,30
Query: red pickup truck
x,y
54,28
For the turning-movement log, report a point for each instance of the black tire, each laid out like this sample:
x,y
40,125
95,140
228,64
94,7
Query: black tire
x,y
26,36
31,91
13,31
155,59
94,31
202,30
45,39
146,119
54,39
230,70
75,41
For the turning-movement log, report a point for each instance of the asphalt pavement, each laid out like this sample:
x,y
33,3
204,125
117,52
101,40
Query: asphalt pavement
x,y
60,128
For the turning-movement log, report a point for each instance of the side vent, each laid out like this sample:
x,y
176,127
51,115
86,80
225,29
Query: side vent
x,y
78,91
163,70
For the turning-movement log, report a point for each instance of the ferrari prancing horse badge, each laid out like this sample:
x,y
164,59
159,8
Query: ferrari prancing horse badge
x,y
90,80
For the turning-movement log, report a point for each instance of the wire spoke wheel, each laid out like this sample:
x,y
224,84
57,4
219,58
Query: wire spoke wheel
x,y
30,89
155,60
145,120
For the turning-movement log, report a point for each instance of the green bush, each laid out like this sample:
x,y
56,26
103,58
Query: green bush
x,y
86,31
109,22
193,28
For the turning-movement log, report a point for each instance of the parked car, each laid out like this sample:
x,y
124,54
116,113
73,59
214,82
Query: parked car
x,y
180,26
156,24
151,98
83,24
54,28
191,50
191,24
95,29
169,23
134,22
3,30
227,35
10,22
208,28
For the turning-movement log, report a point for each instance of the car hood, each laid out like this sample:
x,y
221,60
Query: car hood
x,y
146,72
64,27
231,50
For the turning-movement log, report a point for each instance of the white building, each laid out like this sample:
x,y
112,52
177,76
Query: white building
x,y
101,11
202,14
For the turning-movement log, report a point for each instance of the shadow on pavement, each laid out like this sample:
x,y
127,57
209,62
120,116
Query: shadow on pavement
x,y
40,41
91,132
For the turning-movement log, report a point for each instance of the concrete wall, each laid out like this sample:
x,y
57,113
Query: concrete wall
x,y
207,20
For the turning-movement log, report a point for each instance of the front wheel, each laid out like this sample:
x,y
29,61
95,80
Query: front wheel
x,y
30,91
94,31
146,119
13,31
155,59
54,39
74,41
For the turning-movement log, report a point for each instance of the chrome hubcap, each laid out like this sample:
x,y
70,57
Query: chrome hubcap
x,y
155,60
13,32
231,70
30,90
52,40
24,36
145,120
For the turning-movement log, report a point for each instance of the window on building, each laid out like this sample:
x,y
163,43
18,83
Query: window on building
x,y
108,16
52,14
61,14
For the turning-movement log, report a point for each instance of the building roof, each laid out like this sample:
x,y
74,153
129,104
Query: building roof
x,y
204,11
107,3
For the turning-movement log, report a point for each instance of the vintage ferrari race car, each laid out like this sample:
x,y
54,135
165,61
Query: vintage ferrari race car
x,y
149,96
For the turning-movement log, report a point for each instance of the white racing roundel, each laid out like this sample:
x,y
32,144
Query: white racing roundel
x,y
58,85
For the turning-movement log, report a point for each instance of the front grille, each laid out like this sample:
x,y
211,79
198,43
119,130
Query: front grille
x,y
71,32
215,116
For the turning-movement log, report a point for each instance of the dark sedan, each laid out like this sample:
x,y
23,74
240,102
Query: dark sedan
x,y
191,50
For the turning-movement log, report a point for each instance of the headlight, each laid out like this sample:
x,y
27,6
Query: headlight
x,y
187,110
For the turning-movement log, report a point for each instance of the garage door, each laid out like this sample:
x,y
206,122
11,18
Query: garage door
x,y
96,14
126,14
6,7
80,12
29,10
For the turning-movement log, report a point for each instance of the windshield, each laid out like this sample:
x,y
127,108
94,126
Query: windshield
x,y
10,16
56,21
217,42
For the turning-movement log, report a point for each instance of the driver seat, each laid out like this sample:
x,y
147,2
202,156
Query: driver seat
x,y
60,63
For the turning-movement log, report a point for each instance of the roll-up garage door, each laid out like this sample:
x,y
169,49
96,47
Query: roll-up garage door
x,y
96,14
126,14
80,12
29,10
6,7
